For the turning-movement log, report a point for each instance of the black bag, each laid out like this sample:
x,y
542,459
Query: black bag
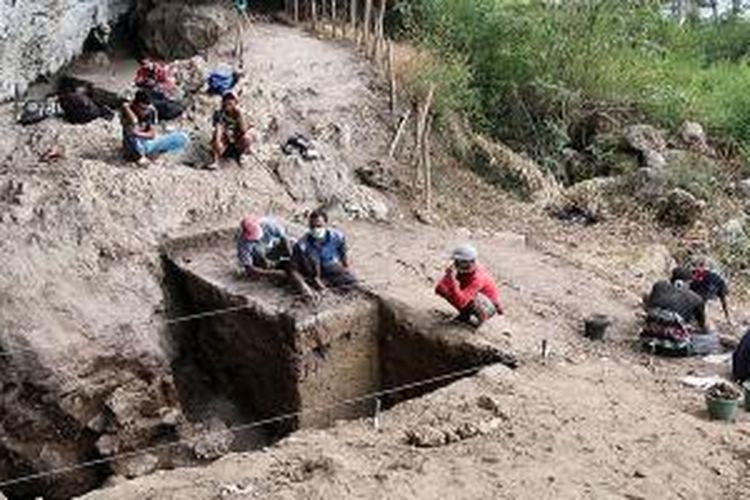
x,y
79,108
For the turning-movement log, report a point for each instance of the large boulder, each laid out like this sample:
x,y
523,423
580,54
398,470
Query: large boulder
x,y
177,29
504,167
649,143
586,201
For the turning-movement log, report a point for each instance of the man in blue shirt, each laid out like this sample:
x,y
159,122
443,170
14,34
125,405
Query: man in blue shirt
x,y
320,258
263,249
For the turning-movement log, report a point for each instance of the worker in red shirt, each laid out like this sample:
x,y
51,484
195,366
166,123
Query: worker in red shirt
x,y
469,288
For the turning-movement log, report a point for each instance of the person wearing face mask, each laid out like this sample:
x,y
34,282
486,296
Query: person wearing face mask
x,y
469,288
706,282
319,258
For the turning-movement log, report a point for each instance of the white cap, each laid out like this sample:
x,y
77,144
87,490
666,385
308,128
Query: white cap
x,y
464,253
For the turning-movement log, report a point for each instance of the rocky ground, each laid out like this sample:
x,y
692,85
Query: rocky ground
x,y
87,371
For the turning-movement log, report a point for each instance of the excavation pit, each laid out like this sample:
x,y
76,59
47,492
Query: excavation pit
x,y
275,355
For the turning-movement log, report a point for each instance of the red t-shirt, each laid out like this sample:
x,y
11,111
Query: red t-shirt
x,y
460,289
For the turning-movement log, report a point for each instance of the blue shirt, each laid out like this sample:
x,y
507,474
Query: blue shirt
x,y
330,250
249,251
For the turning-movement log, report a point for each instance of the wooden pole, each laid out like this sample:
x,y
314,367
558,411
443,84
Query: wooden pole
x,y
296,11
379,31
427,164
333,18
423,114
392,78
314,14
367,25
353,18
399,133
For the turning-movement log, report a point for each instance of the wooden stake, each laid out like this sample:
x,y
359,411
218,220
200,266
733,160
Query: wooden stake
x,y
314,14
399,133
296,11
333,18
427,163
392,78
367,26
353,18
379,31
423,114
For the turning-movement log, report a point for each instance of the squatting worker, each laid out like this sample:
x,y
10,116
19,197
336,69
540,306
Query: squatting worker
x,y
469,288
263,248
706,282
231,131
320,258
140,140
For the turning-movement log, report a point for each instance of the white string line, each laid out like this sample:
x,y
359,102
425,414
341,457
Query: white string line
x,y
364,286
243,427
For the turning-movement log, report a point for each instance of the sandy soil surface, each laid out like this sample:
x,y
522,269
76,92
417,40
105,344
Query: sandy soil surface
x,y
598,420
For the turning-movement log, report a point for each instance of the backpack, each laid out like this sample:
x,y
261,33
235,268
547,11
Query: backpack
x,y
221,81
80,108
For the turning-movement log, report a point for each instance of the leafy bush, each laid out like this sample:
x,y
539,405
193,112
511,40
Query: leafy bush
x,y
529,68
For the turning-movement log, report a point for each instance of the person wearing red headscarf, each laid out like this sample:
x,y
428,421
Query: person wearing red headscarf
x,y
263,249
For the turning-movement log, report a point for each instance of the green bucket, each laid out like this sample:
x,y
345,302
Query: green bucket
x,y
722,409
746,386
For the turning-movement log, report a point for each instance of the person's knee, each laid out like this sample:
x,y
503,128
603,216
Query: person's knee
x,y
243,143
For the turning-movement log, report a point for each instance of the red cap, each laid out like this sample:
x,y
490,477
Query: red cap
x,y
251,229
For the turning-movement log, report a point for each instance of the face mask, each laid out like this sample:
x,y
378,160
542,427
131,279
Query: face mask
x,y
318,233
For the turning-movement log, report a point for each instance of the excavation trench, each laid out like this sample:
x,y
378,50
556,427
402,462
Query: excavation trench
x,y
270,355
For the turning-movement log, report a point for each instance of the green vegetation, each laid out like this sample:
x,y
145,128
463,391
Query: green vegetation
x,y
527,70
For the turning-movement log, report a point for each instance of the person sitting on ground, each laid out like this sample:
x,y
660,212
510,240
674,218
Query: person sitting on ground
x,y
263,248
741,359
231,132
705,282
469,288
140,140
676,320
320,258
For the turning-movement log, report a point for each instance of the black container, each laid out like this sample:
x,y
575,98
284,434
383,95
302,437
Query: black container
x,y
595,326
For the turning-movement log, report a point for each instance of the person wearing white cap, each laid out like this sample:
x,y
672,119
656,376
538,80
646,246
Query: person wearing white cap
x,y
469,288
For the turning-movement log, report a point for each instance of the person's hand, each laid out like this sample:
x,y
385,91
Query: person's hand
x,y
450,270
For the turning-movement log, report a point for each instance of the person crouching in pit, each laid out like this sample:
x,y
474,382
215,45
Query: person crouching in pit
x,y
469,288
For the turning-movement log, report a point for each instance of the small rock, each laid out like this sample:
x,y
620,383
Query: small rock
x,y
734,231
108,445
639,474
648,141
136,465
426,436
487,403
214,443
170,416
468,430
744,187
692,134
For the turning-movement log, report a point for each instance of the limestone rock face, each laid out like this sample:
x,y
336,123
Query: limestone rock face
x,y
38,38
178,29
